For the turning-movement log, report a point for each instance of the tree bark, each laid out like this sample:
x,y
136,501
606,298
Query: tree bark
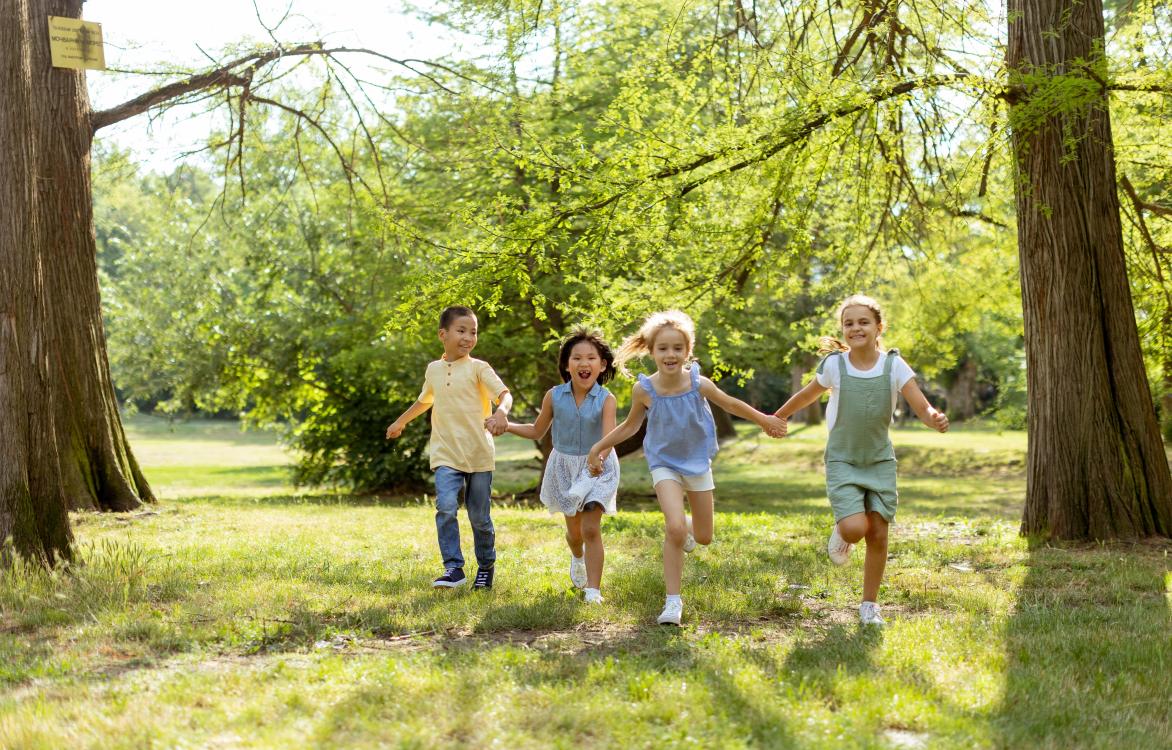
x,y
962,394
810,415
1096,466
64,446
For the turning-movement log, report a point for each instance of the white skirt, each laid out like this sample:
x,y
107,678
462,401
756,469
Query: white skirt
x,y
568,484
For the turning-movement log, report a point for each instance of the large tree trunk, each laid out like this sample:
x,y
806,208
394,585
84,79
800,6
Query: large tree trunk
x,y
1097,467
64,446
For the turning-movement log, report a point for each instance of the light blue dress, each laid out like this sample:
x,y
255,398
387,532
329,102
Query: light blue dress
x,y
568,485
681,434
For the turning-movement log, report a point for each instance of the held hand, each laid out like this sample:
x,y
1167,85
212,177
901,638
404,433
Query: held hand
x,y
774,427
394,430
939,421
594,463
497,424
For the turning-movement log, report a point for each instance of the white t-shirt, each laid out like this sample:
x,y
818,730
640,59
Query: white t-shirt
x,y
830,377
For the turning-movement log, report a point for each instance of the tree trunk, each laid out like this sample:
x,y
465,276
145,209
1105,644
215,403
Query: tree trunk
x,y
962,395
1166,368
724,424
64,446
1097,467
812,414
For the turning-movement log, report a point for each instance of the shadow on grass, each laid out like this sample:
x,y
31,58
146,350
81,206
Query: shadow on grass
x,y
1089,648
629,688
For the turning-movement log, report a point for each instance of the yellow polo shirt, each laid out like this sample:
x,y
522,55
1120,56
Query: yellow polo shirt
x,y
461,394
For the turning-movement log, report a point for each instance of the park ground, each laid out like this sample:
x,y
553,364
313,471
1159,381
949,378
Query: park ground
x,y
240,611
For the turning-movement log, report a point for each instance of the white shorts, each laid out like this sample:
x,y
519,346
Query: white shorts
x,y
698,483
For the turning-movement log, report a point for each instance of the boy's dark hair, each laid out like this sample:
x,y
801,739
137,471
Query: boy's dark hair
x,y
452,312
593,336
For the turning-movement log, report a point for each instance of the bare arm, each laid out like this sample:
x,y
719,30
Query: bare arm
x,y
801,399
498,423
928,414
772,425
414,410
540,426
628,428
610,416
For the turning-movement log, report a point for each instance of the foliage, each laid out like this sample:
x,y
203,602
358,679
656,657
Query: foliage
x,y
604,160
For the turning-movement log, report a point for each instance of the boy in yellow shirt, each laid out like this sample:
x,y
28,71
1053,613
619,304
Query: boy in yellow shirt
x,y
458,389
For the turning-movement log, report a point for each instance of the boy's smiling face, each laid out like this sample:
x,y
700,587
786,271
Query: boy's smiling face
x,y
459,337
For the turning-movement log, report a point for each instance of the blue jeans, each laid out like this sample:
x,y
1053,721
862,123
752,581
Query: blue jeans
x,y
477,486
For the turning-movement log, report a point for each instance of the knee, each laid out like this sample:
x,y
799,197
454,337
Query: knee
x,y
591,533
877,533
676,532
853,529
574,536
704,537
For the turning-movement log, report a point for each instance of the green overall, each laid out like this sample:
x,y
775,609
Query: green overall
x,y
860,460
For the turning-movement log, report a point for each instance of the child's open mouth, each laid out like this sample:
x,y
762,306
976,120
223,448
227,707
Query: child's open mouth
x,y
584,374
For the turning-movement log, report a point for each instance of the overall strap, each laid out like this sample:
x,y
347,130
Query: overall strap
x,y
887,365
695,368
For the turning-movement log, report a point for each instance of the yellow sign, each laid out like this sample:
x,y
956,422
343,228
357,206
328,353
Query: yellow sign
x,y
76,44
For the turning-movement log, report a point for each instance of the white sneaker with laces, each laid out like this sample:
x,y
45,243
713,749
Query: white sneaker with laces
x,y
869,614
578,571
593,596
838,548
690,541
673,612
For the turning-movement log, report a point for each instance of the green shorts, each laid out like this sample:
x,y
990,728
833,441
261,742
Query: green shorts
x,y
856,489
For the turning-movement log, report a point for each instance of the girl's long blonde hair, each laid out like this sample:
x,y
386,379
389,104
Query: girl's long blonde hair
x,y
639,343
830,344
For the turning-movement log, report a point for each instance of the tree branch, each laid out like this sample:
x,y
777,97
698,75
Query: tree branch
x,y
222,77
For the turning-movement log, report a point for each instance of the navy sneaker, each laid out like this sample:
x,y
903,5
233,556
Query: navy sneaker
x,y
483,579
451,578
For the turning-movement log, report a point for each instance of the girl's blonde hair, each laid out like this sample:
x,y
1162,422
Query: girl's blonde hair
x,y
639,343
830,344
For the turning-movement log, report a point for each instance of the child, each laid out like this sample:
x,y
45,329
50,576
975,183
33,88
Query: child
x,y
461,448
581,412
680,441
860,462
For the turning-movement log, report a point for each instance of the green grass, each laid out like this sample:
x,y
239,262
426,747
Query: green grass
x,y
243,612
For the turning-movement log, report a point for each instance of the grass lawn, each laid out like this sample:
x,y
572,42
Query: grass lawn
x,y
242,612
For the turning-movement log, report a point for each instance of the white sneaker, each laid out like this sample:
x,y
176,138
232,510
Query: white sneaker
x,y
690,541
578,571
869,614
593,596
673,612
838,548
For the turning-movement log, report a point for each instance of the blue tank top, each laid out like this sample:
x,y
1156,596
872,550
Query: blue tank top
x,y
577,428
681,435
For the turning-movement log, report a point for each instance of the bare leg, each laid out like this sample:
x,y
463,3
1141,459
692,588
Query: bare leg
x,y
854,527
702,523
876,560
574,534
592,540
675,531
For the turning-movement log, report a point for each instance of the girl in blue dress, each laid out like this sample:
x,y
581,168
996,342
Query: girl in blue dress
x,y
580,411
680,440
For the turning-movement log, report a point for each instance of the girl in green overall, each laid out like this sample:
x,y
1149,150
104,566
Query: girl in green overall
x,y
863,381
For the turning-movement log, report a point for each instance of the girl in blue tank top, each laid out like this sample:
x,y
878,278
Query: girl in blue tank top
x,y
681,438
580,411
